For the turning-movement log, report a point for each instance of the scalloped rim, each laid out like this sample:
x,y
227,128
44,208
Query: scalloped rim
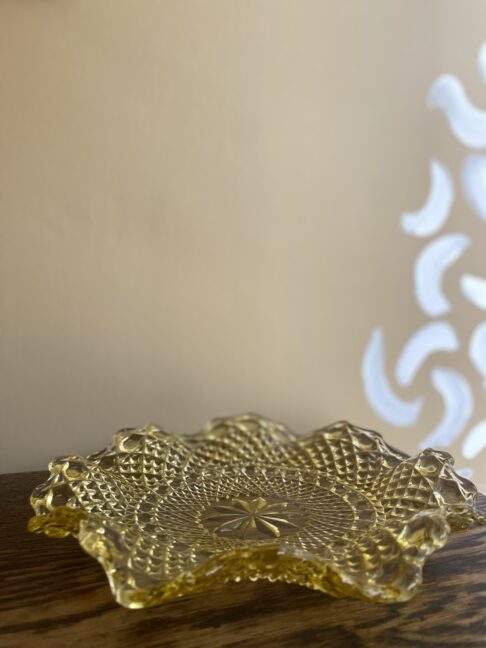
x,y
269,562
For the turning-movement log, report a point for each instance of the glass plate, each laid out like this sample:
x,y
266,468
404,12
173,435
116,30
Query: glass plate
x,y
338,510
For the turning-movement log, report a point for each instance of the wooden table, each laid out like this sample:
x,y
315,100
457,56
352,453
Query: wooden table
x,y
53,594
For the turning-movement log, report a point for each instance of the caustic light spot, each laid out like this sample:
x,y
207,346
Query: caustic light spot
x,y
474,289
431,338
458,407
465,472
430,218
475,441
378,390
482,60
474,183
477,350
467,122
430,266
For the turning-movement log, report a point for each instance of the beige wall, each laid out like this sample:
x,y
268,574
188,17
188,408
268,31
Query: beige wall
x,y
200,205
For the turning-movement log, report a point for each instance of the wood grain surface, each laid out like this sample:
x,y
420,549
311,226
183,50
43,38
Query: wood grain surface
x,y
52,594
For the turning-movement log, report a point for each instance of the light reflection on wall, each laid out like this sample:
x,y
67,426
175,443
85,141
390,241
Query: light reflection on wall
x,y
468,124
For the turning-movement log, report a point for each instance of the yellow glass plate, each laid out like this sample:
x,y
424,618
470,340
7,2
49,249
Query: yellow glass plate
x,y
338,510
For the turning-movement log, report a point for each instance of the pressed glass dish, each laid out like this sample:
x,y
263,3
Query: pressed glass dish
x,y
338,510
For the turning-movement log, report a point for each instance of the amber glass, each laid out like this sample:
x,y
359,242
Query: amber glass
x,y
338,510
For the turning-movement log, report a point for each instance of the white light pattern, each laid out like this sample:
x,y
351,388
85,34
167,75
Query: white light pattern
x,y
474,183
482,60
431,217
458,407
431,338
474,289
380,395
477,350
468,124
475,441
465,120
430,266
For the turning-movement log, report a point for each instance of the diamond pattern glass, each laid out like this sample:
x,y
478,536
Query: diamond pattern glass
x,y
338,510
